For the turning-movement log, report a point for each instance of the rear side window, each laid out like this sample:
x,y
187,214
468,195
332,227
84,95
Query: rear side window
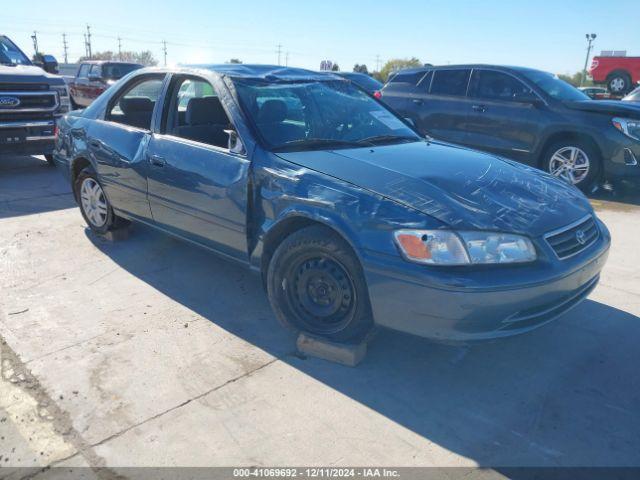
x,y
407,77
450,82
134,105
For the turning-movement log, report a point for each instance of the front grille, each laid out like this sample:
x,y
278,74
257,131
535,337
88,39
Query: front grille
x,y
23,87
574,238
29,101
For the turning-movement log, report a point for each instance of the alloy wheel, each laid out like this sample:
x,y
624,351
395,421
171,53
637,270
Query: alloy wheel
x,y
617,84
571,164
94,203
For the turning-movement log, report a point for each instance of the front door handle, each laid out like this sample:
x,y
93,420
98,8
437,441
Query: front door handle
x,y
480,108
157,161
418,101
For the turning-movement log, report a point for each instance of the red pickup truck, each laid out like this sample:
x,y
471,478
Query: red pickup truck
x,y
94,77
620,74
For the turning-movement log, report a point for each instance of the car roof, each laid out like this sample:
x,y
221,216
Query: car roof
x,y
469,66
102,62
261,72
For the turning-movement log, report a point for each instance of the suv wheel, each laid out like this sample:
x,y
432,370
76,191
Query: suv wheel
x,y
619,83
94,205
575,162
315,284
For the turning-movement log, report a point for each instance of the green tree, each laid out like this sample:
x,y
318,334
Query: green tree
x,y
397,64
235,60
361,69
335,68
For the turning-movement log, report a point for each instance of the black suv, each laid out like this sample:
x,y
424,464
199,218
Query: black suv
x,y
528,115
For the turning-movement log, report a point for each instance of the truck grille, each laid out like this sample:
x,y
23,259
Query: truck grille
x,y
574,238
27,97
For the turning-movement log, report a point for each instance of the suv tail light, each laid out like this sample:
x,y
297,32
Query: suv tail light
x,y
377,94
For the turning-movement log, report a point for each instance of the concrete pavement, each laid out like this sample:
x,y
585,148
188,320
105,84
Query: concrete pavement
x,y
149,352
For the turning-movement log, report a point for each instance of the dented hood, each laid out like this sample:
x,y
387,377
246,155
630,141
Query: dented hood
x,y
463,188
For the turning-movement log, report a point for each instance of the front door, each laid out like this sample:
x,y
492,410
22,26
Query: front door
x,y
505,116
197,186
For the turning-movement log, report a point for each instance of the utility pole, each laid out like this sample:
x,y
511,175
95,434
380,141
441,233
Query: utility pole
x,y
119,49
590,38
89,41
377,63
34,37
164,49
286,59
279,46
86,50
64,46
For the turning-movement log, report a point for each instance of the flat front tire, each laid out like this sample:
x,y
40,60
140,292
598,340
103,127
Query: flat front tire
x,y
316,285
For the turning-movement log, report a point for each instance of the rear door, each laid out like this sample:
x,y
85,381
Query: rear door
x,y
118,144
505,117
197,185
443,111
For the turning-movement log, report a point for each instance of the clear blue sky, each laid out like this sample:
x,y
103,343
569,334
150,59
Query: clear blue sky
x,y
546,34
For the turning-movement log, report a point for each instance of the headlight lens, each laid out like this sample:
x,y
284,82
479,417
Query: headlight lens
x,y
442,247
63,95
628,126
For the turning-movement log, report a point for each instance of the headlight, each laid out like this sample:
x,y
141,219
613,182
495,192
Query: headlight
x,y
63,95
628,126
443,247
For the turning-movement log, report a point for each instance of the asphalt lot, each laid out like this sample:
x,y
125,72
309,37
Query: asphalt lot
x,y
149,351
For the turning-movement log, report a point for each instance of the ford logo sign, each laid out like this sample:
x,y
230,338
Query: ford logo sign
x,y
9,102
581,237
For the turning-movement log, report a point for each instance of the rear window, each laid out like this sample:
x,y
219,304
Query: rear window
x,y
450,82
407,77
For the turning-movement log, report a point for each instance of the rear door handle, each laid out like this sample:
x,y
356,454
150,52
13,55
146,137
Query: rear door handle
x,y
480,108
418,101
157,160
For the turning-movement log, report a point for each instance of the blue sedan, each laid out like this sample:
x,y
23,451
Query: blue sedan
x,y
351,218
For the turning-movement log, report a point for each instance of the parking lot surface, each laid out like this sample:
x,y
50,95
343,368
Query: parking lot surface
x,y
148,351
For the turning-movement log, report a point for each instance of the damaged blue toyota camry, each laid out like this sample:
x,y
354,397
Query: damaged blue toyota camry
x,y
352,219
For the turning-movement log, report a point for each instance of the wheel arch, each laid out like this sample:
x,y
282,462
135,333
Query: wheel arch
x,y
295,221
77,165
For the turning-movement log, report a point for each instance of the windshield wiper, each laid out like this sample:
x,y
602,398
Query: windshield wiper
x,y
311,143
381,139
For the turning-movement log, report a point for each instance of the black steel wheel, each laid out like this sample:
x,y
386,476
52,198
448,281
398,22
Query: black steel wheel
x,y
315,284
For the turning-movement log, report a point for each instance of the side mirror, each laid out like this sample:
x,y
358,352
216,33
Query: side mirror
x,y
49,64
234,144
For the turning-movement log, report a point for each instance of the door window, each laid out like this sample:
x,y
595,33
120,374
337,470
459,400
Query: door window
x,y
134,105
196,113
498,86
84,70
450,82
95,70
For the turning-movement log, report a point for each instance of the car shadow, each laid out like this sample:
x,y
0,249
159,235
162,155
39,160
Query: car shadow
x,y
28,185
621,194
567,394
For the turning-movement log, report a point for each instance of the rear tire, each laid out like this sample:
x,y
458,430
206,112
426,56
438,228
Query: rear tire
x,y
574,161
94,204
619,83
315,284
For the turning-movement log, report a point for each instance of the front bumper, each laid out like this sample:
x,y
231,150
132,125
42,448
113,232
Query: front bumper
x,y
30,137
520,299
621,156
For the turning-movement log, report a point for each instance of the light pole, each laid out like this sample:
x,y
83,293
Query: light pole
x,y
590,38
